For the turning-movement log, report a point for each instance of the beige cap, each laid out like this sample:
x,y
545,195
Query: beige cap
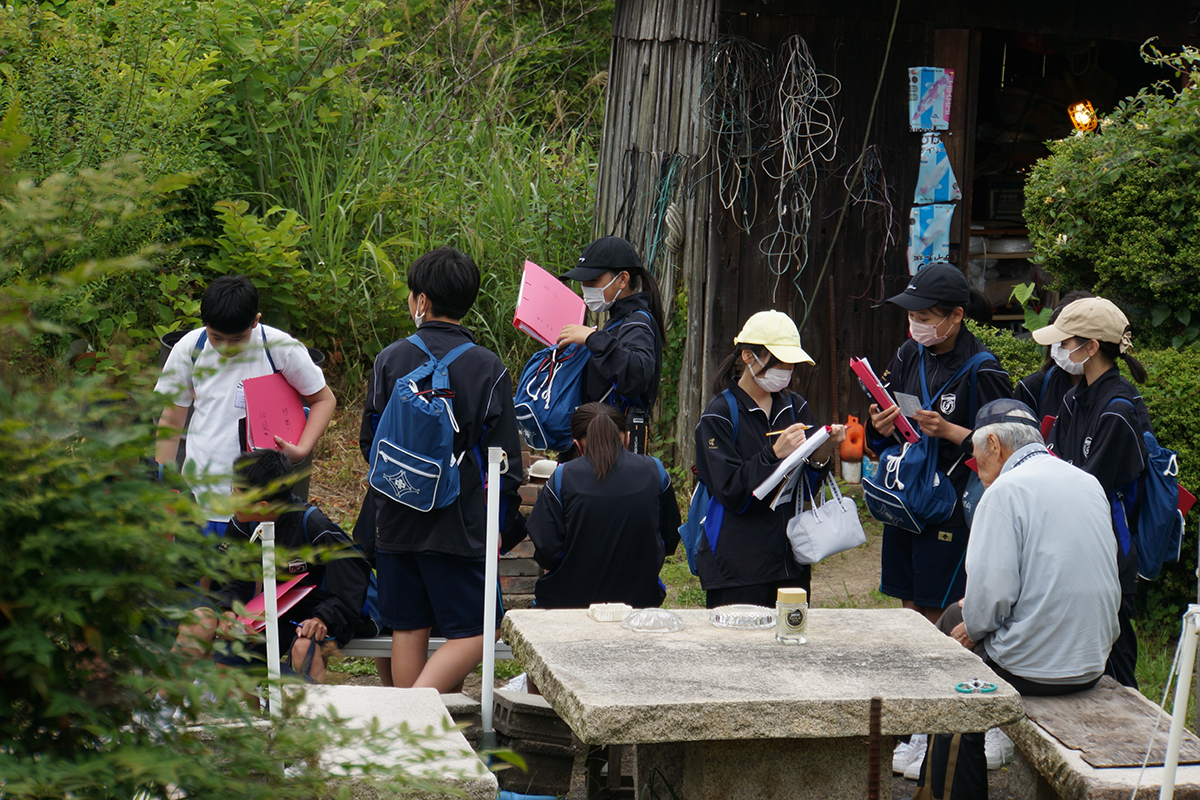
x,y
791,596
776,331
1088,318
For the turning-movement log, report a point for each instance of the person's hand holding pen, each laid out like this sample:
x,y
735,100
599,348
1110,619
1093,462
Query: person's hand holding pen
x,y
312,628
789,439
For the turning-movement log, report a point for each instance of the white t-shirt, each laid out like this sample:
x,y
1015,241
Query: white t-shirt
x,y
213,385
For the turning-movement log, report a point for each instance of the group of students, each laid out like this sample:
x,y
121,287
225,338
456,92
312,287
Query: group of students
x,y
607,518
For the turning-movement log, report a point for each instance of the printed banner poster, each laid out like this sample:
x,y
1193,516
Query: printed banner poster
x,y
929,90
935,181
928,235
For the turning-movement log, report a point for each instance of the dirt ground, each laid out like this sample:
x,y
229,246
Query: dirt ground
x,y
847,580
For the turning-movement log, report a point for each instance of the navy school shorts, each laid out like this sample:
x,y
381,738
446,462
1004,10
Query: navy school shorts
x,y
926,568
432,590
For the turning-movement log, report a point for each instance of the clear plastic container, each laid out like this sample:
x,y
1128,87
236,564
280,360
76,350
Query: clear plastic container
x,y
742,617
653,620
609,612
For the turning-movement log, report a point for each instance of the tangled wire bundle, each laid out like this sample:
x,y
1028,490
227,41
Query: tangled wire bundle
x,y
736,94
807,137
875,197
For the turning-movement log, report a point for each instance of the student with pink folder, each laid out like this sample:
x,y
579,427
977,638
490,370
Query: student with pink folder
x,y
322,603
625,368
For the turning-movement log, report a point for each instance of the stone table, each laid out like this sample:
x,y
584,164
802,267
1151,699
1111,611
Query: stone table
x,y
720,713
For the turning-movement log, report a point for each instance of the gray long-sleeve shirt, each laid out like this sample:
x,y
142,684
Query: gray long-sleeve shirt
x,y
1042,571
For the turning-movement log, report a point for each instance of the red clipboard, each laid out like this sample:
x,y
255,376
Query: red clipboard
x,y
273,408
546,305
286,594
870,382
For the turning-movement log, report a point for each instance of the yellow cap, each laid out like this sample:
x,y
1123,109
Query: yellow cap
x,y
776,331
791,596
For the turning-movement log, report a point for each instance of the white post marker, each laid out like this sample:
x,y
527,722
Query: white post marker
x,y
1183,683
274,693
491,567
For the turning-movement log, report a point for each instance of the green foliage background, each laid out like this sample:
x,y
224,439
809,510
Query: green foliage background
x,y
326,145
1117,211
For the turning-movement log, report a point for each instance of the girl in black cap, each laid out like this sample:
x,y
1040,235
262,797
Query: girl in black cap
x,y
626,356
925,570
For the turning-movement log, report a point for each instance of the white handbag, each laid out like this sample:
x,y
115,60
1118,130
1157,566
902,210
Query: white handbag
x,y
827,527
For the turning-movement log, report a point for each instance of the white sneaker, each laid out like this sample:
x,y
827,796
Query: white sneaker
x,y
916,756
901,756
998,748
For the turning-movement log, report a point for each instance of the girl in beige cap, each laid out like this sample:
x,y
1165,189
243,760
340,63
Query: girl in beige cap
x,y
1099,429
744,555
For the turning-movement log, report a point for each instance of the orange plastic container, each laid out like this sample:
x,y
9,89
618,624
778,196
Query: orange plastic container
x,y
852,447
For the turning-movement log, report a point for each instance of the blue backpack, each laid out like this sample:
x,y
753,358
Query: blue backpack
x,y
1160,523
550,389
908,491
706,513
412,456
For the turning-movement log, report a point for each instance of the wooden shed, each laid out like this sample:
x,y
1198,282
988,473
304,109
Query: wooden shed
x,y
693,153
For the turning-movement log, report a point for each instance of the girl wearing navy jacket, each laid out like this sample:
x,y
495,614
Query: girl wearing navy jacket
x,y
605,522
1099,429
925,571
625,367
749,556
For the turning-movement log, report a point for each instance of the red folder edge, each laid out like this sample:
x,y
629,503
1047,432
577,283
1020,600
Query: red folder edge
x,y
882,398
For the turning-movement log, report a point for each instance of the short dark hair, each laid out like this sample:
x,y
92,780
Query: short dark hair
x,y
268,472
229,304
449,278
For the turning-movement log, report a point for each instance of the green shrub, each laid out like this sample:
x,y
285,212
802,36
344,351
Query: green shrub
x,y
1117,211
1019,357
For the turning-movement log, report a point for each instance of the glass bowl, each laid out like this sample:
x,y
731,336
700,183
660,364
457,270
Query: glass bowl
x,y
653,620
742,617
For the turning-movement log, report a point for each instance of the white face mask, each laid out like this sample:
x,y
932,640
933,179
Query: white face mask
x,y
772,380
593,296
926,334
1063,359
418,318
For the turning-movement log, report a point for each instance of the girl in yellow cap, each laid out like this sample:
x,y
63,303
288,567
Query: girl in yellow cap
x,y
744,555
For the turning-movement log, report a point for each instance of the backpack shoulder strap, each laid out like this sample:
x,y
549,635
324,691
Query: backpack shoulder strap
x,y
266,349
1045,385
203,340
416,339
556,481
664,480
733,411
971,364
304,522
456,352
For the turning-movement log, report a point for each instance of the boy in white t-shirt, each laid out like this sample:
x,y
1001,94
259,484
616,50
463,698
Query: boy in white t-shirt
x,y
205,370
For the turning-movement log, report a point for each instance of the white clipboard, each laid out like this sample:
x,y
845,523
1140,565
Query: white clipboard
x,y
792,462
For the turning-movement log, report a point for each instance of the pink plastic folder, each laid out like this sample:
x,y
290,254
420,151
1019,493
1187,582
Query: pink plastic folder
x,y
862,368
287,594
545,305
273,408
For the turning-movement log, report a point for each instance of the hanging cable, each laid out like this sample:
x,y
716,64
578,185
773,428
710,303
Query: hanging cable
x,y
859,164
736,92
874,195
806,139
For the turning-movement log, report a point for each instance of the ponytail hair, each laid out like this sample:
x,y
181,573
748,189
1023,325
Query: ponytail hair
x,y
731,367
1112,351
977,308
643,281
601,428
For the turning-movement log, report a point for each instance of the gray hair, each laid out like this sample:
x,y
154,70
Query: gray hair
x,y
1012,435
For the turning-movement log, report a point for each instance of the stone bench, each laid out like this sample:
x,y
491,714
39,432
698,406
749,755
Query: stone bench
x,y
448,760
1091,745
381,647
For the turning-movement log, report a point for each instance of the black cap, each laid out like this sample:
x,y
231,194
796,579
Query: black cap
x,y
1006,409
609,254
934,285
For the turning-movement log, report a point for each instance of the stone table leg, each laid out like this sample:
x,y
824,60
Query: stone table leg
x,y
762,769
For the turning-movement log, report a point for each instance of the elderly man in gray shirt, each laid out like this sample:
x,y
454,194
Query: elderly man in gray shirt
x,y
1042,588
